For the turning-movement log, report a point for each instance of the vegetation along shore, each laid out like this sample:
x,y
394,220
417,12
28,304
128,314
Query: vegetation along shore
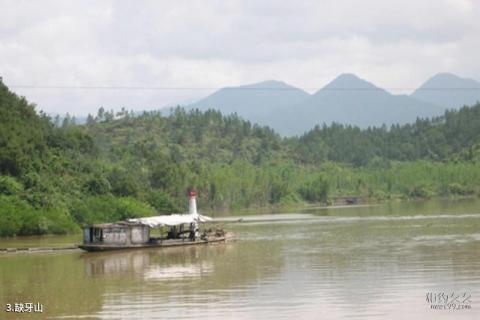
x,y
56,174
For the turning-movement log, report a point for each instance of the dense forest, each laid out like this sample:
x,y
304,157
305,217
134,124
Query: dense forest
x,y
56,175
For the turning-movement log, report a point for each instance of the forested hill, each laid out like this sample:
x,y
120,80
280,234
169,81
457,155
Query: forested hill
x,y
30,142
57,176
185,136
209,136
453,135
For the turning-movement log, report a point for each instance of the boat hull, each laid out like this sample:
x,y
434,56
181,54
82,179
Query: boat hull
x,y
161,244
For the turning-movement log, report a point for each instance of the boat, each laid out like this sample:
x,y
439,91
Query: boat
x,y
183,230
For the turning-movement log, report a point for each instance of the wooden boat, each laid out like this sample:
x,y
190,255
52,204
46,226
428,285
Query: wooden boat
x,y
157,243
135,233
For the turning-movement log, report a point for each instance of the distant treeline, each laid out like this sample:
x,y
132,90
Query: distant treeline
x,y
56,175
455,135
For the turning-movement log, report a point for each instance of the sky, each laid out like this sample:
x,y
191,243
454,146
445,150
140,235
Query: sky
x,y
66,56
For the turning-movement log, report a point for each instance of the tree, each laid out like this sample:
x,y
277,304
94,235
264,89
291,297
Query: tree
x,y
100,114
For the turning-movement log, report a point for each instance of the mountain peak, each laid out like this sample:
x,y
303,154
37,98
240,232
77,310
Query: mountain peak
x,y
349,81
348,76
253,101
449,91
275,84
446,75
449,80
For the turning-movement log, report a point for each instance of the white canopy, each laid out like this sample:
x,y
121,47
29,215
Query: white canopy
x,y
170,220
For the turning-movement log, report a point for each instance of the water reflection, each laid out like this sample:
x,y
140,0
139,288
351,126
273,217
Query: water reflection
x,y
151,264
165,283
116,262
178,272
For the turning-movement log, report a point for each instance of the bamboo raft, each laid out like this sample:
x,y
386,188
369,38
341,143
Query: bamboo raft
x,y
38,249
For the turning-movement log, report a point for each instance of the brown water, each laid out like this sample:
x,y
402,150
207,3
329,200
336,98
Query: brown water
x,y
367,262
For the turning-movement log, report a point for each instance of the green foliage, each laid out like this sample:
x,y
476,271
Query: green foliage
x,y
97,209
10,216
123,183
162,202
72,137
167,176
315,189
47,221
98,185
458,189
55,176
290,200
132,208
10,186
419,191
17,217
22,134
453,134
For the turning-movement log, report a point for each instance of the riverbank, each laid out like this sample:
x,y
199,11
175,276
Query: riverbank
x,y
32,240
333,204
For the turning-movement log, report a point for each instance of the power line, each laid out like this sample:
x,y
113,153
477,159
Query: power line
x,y
165,88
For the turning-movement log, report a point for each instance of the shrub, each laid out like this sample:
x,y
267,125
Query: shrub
x,y
10,185
132,208
162,202
290,199
419,191
9,216
315,189
17,217
458,189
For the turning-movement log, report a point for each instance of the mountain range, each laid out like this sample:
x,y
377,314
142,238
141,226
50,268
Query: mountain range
x,y
347,99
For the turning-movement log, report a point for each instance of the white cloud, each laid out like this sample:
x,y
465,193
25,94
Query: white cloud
x,y
209,44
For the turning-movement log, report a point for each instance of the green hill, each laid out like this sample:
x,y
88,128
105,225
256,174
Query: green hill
x,y
56,176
